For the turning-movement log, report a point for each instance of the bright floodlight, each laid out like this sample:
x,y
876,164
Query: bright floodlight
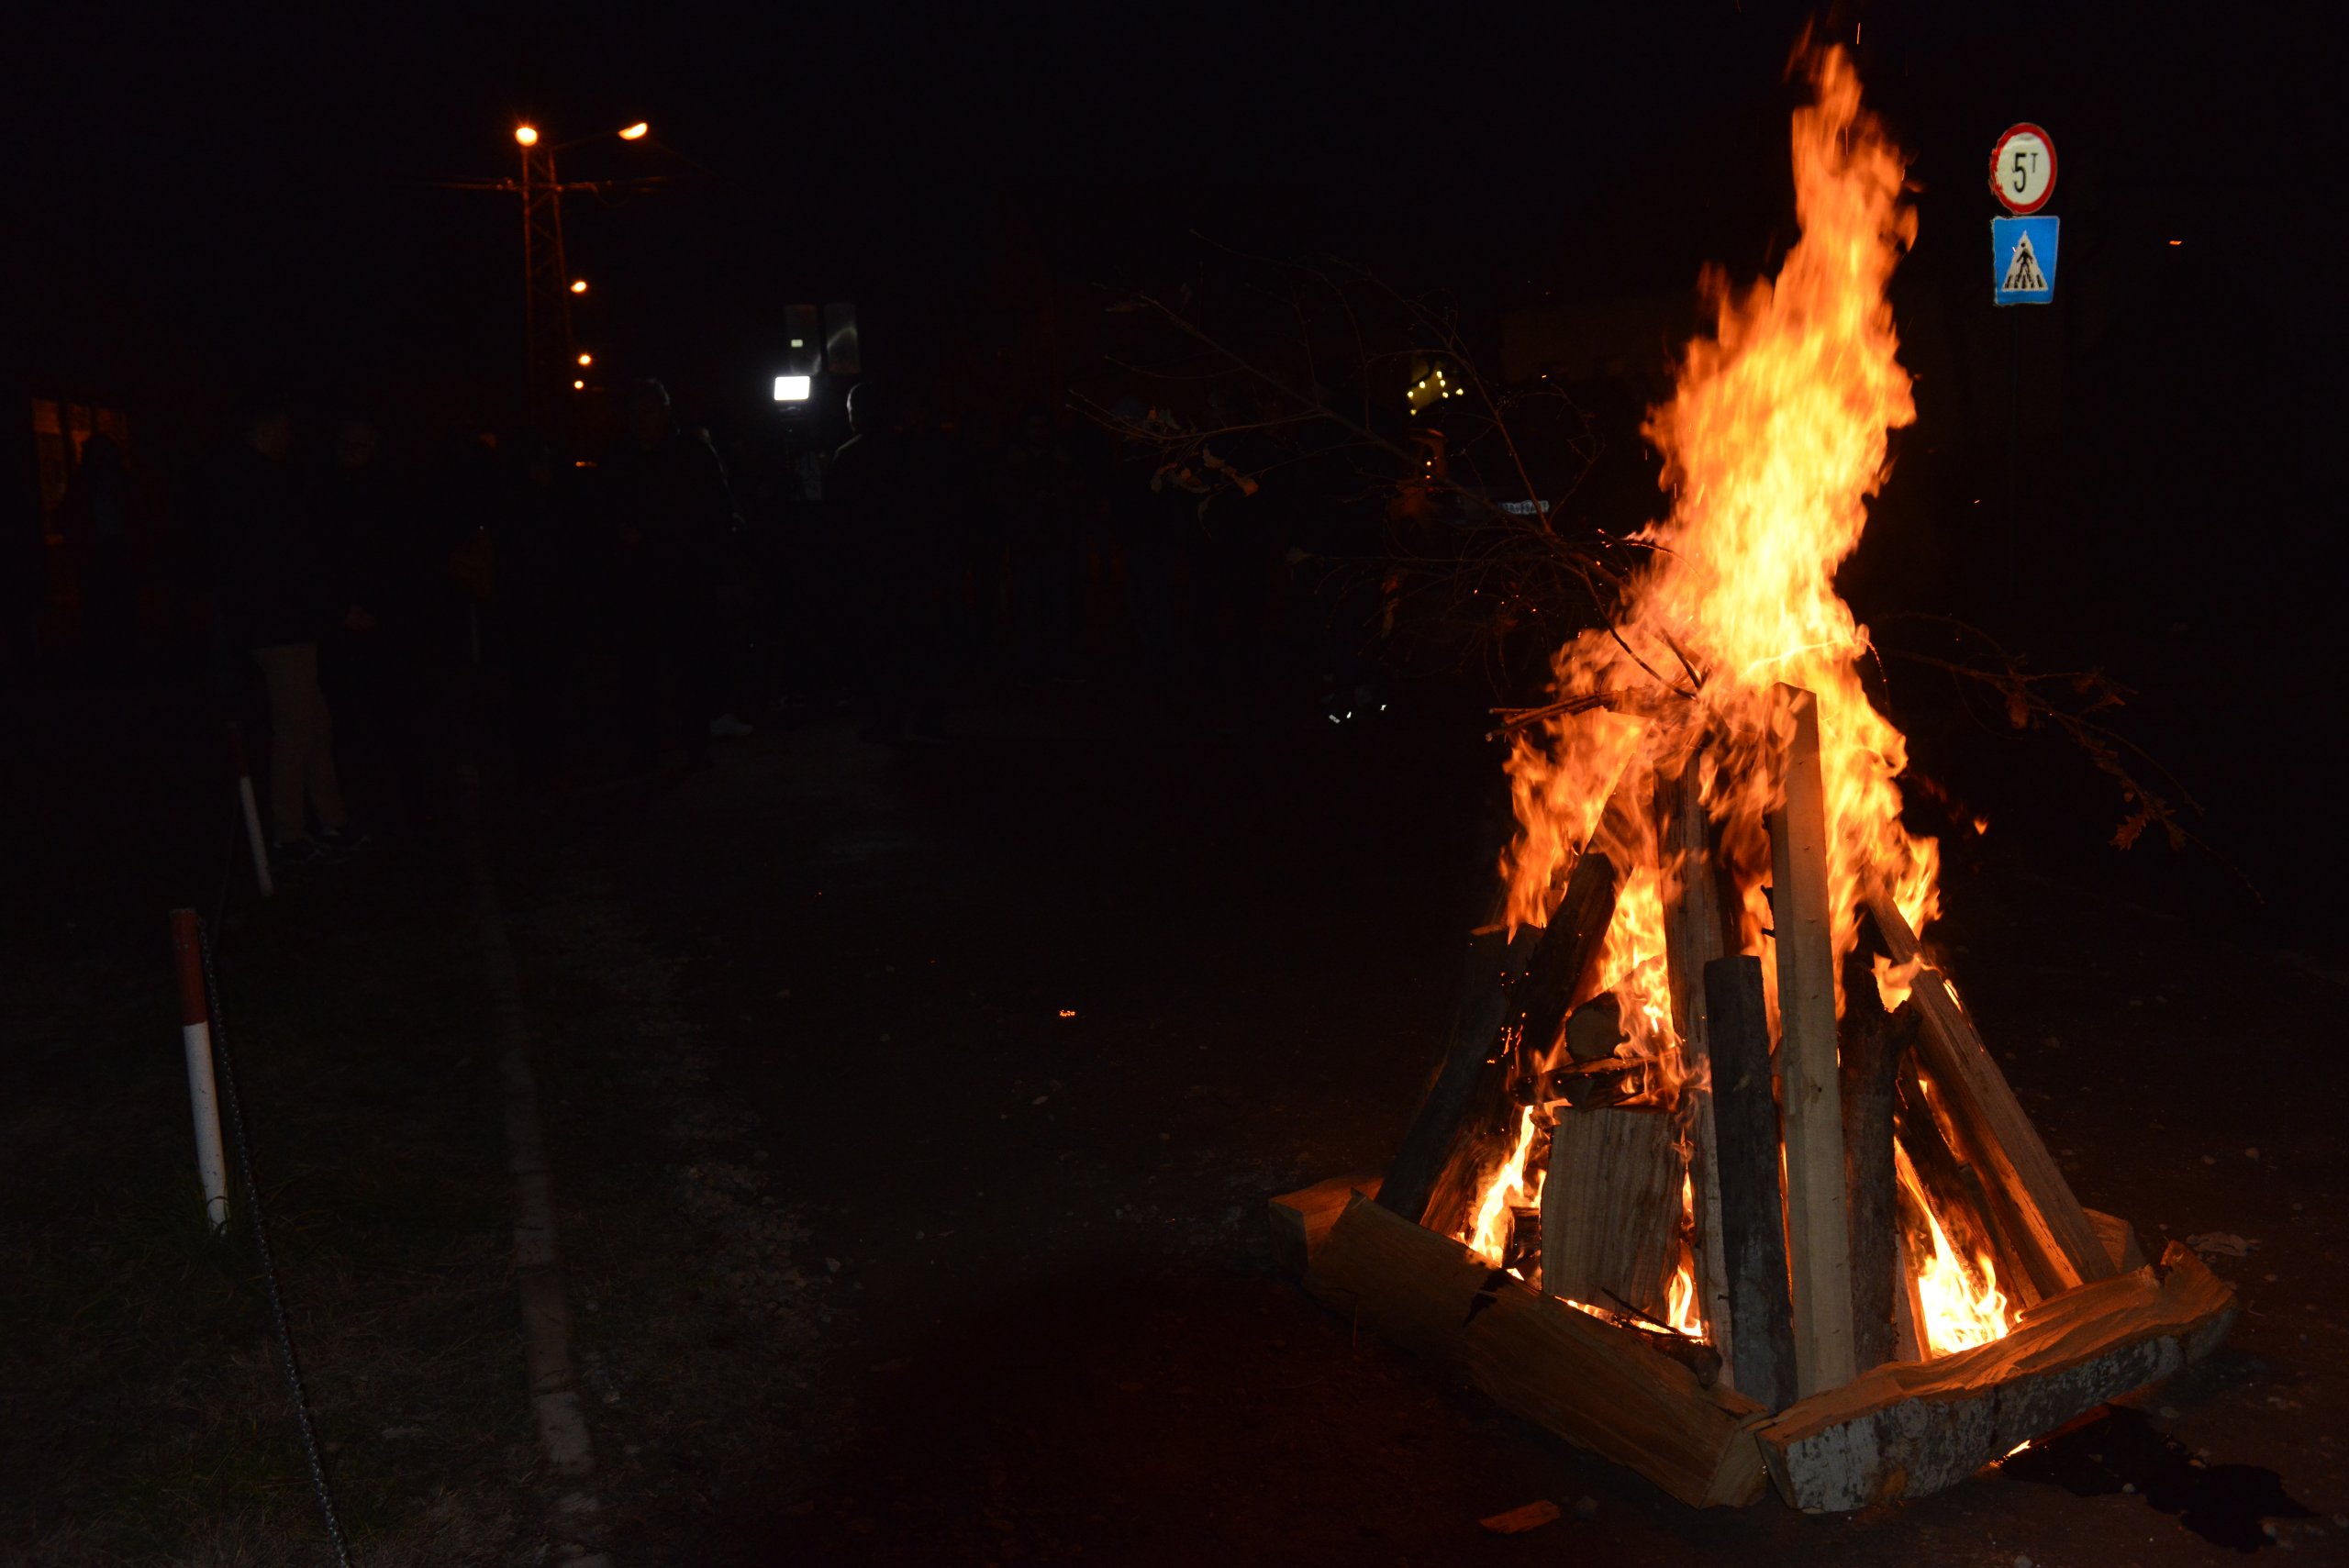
x,y
793,388
578,386
528,135
586,358
579,286
636,132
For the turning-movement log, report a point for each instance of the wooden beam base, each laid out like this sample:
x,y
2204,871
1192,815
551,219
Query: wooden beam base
x,y
1597,1386
1904,1429
1301,1220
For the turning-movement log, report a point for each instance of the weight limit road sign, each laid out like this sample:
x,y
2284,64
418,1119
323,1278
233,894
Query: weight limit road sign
x,y
2022,261
2023,169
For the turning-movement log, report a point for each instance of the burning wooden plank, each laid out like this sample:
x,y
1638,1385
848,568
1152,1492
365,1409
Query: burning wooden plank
x,y
1534,1013
1754,1236
1809,1098
1493,962
1597,1386
1695,935
1611,1209
1974,1225
1907,1428
2058,1244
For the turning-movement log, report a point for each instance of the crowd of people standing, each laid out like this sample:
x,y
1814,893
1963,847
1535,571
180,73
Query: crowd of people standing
x,y
652,599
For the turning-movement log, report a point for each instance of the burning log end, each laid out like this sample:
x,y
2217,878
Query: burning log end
x,y
1583,1376
1698,1355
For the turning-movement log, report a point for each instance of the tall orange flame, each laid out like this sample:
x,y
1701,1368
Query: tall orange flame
x,y
1773,441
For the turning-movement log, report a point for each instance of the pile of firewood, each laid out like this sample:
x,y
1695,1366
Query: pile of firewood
x,y
1813,1366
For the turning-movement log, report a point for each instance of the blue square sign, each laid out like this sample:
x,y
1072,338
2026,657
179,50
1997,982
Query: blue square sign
x,y
2022,261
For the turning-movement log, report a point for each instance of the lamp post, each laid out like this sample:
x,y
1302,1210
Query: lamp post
x,y
549,351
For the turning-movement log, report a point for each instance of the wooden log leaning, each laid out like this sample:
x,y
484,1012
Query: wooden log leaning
x,y
1555,971
1874,1041
1611,1208
2059,1246
1599,1386
1905,1429
1696,933
1493,962
1810,1097
1753,1237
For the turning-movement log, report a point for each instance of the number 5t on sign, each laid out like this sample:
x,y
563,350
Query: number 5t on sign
x,y
2023,169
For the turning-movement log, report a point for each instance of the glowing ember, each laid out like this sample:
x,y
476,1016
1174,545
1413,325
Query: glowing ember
x,y
1773,440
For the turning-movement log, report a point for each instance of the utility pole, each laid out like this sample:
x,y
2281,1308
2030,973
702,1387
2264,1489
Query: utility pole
x,y
551,362
549,351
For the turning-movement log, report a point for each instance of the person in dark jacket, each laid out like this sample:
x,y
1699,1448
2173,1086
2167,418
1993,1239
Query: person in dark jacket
x,y
677,543
276,593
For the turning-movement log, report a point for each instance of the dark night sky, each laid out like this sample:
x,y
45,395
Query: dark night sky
x,y
215,199
259,190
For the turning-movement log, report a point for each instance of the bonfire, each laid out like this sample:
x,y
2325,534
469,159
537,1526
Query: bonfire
x,y
1716,1175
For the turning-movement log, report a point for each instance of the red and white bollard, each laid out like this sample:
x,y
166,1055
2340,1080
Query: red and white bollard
x,y
253,811
196,1036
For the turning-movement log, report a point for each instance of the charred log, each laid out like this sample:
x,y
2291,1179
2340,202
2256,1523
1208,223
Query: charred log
x,y
1746,1119
1875,1043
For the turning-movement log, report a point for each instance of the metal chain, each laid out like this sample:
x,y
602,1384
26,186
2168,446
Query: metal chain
x,y
225,1065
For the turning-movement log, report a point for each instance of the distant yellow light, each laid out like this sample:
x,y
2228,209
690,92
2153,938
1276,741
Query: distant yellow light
x,y
636,132
579,286
2178,242
586,358
528,135
578,386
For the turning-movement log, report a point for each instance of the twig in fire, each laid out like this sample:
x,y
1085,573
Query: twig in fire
x,y
1476,474
2064,700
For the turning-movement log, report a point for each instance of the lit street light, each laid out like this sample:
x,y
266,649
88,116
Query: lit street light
x,y
548,286
586,358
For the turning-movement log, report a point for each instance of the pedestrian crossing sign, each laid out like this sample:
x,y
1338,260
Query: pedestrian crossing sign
x,y
2022,261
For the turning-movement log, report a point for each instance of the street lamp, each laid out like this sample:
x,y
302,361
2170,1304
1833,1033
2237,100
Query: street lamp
x,y
549,286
